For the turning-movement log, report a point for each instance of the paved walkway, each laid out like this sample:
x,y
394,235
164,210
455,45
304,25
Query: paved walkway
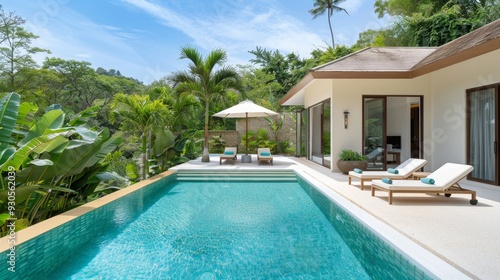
x,y
466,236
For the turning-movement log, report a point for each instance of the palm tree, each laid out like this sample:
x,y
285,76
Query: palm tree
x,y
139,114
205,82
330,6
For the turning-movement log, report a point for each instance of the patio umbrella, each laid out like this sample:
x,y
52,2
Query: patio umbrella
x,y
245,109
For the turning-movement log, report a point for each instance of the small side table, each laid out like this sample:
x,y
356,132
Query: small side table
x,y
420,175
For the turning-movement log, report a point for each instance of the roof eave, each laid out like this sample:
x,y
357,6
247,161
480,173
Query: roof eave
x,y
362,74
308,78
473,52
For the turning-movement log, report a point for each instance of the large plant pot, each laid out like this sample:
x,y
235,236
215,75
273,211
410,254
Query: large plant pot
x,y
346,166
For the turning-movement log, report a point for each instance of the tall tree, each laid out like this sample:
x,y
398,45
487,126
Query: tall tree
x,y
433,23
327,6
426,8
15,49
205,82
287,69
139,114
83,84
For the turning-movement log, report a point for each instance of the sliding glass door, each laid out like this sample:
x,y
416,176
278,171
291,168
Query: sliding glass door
x,y
483,134
374,132
319,123
392,130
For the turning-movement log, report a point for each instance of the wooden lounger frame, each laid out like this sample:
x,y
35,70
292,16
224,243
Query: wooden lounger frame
x,y
454,189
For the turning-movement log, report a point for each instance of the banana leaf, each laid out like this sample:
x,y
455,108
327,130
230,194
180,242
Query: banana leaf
x,y
131,170
9,106
44,143
165,140
26,114
105,176
50,120
80,118
5,155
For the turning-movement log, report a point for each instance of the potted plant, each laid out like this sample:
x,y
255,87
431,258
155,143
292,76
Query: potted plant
x,y
349,159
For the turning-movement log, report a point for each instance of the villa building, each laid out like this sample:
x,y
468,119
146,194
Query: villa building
x,y
393,103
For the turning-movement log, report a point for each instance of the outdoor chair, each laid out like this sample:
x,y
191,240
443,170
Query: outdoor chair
x,y
404,171
264,154
230,153
443,180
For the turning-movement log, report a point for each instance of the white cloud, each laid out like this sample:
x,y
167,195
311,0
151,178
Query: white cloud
x,y
144,52
352,6
238,29
72,36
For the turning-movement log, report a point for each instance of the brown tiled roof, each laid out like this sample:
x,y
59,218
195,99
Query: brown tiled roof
x,y
405,62
378,59
416,59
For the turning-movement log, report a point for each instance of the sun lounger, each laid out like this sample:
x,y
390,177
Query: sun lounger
x,y
445,181
264,154
229,153
404,171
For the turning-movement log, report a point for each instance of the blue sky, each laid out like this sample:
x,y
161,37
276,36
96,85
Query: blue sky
x,y
142,38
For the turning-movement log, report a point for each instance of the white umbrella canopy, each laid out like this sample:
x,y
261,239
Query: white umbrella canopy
x,y
245,109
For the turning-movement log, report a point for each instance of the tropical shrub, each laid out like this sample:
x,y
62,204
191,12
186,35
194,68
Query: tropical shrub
x,y
350,155
256,140
50,164
168,150
217,144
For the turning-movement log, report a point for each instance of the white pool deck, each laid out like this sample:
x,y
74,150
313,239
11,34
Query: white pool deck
x,y
463,235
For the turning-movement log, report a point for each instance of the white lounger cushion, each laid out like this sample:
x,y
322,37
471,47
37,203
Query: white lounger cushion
x,y
405,169
444,177
264,150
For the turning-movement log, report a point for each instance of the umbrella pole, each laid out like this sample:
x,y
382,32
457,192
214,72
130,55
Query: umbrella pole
x,y
246,148
246,158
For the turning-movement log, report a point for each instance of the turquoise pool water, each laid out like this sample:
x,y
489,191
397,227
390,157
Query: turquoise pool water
x,y
220,229
237,226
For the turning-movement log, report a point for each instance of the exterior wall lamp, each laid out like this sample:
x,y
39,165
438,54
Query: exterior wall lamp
x,y
346,119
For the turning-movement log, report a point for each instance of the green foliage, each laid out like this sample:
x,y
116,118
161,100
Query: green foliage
x,y
330,54
82,82
205,82
286,69
258,84
9,106
438,29
193,145
132,172
16,51
284,147
168,150
217,144
56,166
350,155
256,140
431,23
139,115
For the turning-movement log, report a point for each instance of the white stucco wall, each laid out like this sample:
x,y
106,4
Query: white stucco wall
x,y
347,96
318,91
449,85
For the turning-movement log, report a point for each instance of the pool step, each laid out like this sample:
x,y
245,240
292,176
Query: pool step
x,y
211,175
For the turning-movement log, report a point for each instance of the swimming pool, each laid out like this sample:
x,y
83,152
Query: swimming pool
x,y
243,226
